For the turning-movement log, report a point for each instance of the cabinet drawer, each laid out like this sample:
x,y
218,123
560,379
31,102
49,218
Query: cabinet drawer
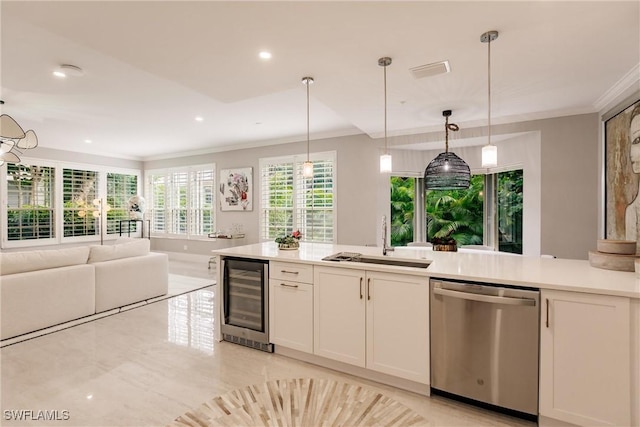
x,y
291,271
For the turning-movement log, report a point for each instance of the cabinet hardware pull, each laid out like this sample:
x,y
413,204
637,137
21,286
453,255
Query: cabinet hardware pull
x,y
288,286
547,312
368,289
361,288
289,272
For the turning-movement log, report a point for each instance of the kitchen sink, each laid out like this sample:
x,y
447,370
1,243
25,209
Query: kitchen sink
x,y
356,257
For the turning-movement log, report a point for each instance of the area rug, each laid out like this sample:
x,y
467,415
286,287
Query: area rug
x,y
301,402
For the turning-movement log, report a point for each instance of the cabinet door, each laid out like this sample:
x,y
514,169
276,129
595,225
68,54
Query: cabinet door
x,y
339,314
585,359
291,315
398,325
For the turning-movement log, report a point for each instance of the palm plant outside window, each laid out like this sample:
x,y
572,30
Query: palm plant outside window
x,y
460,213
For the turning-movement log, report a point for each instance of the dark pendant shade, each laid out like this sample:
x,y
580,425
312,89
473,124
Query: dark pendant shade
x,y
447,171
454,177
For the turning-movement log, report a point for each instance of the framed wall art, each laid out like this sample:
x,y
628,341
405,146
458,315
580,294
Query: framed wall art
x,y
622,174
236,189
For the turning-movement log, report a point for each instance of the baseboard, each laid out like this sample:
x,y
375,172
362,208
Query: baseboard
x,y
412,386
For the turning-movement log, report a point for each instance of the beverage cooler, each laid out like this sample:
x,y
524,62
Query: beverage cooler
x,y
245,298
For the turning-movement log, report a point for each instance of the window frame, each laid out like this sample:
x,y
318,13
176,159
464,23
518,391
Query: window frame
x,y
297,160
490,208
189,208
58,202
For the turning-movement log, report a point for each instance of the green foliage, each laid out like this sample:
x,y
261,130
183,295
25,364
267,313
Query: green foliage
x,y
510,208
402,206
457,213
450,213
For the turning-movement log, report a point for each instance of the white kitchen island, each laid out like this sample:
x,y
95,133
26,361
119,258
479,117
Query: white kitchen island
x,y
338,314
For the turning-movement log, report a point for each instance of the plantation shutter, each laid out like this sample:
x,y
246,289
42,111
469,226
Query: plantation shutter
x,y
30,209
157,190
290,202
120,188
314,198
78,192
276,196
202,202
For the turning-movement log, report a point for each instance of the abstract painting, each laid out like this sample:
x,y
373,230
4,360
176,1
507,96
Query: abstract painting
x,y
236,189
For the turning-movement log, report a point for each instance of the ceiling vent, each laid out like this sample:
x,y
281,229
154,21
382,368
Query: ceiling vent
x,y
428,70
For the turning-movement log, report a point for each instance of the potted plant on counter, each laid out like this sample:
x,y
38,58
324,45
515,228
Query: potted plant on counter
x,y
446,243
289,241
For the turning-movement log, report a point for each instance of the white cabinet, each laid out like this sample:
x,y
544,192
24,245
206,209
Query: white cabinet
x,y
291,306
339,314
398,325
585,359
379,321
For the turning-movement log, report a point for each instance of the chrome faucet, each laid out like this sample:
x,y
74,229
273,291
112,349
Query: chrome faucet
x,y
385,248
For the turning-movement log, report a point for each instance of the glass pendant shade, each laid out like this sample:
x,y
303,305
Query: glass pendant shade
x,y
447,172
385,163
307,169
489,156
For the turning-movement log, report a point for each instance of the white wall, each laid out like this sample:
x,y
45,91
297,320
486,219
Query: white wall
x,y
356,190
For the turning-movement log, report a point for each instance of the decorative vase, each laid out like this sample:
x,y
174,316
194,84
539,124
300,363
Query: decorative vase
x,y
446,247
289,246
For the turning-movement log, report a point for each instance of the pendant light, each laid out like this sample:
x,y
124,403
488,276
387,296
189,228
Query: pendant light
x,y
489,151
307,167
447,171
385,158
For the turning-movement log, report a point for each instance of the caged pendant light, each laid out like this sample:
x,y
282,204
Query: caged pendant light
x,y
307,167
385,158
489,151
447,171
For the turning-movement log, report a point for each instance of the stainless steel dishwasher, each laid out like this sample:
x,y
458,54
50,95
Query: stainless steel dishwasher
x,y
484,344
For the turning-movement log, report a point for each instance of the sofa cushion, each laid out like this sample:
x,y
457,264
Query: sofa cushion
x,y
133,248
21,262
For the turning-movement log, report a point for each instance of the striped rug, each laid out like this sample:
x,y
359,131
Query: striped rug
x,y
301,402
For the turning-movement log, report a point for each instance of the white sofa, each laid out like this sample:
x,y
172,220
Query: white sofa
x,y
44,288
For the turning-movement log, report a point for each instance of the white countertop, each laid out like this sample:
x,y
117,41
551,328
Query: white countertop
x,y
466,264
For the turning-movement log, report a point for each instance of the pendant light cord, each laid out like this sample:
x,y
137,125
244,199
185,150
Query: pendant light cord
x,y
386,149
446,134
489,86
307,84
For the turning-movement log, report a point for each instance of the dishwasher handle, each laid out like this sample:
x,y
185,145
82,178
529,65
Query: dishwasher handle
x,y
485,298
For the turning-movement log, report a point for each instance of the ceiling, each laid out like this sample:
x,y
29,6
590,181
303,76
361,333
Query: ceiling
x,y
150,67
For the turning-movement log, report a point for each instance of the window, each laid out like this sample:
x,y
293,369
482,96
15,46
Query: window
x,y
467,215
79,189
120,188
290,202
182,201
47,202
30,204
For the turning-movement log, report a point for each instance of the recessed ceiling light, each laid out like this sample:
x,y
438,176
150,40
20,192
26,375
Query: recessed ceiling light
x,y
264,55
65,70
88,141
198,118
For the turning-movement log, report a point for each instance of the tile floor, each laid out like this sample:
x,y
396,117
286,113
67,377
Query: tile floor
x,y
149,365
